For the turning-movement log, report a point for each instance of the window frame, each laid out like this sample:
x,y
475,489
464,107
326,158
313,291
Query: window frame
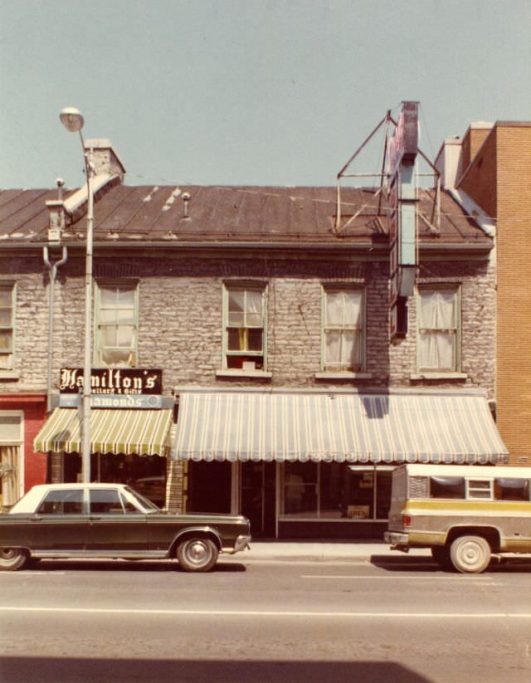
x,y
15,443
478,488
457,330
10,285
62,498
97,352
245,285
319,513
342,287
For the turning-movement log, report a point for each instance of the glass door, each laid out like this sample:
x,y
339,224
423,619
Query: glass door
x,y
258,497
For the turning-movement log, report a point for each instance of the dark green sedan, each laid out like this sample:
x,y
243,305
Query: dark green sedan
x,y
112,521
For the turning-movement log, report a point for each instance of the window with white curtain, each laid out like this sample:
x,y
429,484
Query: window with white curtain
x,y
244,318
438,329
10,448
343,329
7,325
116,318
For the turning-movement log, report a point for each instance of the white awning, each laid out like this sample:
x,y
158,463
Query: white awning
x,y
362,428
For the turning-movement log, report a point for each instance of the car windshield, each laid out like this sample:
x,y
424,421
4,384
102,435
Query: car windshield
x,y
144,502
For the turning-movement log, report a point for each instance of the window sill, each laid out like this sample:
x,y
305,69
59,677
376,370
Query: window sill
x,y
251,374
9,374
343,375
449,376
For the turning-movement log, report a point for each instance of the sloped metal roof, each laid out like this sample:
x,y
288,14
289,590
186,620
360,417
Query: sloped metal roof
x,y
227,214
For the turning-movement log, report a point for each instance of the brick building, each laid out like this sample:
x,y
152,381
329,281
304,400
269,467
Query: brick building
x,y
489,171
282,395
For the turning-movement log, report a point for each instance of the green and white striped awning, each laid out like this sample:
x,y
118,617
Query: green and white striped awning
x,y
361,428
130,432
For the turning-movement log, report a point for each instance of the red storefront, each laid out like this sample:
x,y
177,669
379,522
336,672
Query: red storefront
x,y
21,417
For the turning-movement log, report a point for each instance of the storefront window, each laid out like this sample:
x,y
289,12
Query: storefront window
x,y
333,491
333,481
10,447
300,489
384,479
358,497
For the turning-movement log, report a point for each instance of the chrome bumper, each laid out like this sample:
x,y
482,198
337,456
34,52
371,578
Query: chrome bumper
x,y
241,543
396,539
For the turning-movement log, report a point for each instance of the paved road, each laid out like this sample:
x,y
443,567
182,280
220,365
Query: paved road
x,y
399,620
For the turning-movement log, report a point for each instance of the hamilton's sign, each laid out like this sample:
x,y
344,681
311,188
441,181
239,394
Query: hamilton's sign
x,y
116,381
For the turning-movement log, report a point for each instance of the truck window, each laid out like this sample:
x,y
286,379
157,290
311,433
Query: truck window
x,y
447,487
511,489
479,488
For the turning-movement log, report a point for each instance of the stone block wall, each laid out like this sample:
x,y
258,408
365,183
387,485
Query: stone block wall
x,y
180,305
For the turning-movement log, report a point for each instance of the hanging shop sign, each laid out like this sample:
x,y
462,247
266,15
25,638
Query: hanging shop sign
x,y
402,150
115,381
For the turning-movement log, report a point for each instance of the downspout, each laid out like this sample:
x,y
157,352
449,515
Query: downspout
x,y
52,269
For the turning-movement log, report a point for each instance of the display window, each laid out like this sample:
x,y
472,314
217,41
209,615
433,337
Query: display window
x,y
335,491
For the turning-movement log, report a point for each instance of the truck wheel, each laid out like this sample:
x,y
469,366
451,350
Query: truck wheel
x,y
470,554
441,555
12,559
197,554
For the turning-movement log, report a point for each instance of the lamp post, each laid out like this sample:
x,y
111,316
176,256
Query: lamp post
x,y
73,121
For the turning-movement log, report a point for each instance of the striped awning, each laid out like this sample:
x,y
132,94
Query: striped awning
x,y
131,432
362,428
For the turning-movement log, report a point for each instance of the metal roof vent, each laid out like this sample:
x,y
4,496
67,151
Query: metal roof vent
x,y
186,205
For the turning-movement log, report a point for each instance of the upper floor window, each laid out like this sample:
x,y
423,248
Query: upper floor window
x,y
438,329
244,317
116,319
7,325
343,329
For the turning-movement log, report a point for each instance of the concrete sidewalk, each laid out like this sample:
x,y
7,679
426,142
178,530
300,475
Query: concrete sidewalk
x,y
278,551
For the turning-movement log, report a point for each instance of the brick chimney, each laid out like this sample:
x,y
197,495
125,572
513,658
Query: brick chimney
x,y
457,153
448,161
105,158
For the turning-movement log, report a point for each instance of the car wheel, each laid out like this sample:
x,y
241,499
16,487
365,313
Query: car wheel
x,y
197,554
441,555
470,554
12,559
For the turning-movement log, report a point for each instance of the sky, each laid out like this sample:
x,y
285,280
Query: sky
x,y
248,92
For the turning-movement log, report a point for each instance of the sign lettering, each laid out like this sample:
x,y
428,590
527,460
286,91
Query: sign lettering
x,y
125,381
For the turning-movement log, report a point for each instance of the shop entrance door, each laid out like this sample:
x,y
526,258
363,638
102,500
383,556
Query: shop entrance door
x,y
258,497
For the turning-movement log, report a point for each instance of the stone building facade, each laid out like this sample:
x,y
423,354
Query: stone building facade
x,y
187,262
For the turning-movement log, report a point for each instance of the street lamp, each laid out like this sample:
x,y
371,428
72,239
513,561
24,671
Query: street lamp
x,y
73,121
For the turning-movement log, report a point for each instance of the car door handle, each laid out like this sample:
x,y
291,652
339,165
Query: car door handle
x,y
95,519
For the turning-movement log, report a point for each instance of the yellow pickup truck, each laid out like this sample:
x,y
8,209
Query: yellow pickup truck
x,y
463,513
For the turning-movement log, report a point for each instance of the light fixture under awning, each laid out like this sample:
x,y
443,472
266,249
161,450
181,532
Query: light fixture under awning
x,y
129,432
354,428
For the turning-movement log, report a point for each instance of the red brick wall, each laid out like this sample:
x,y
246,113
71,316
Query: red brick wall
x,y
34,463
514,288
472,141
479,181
